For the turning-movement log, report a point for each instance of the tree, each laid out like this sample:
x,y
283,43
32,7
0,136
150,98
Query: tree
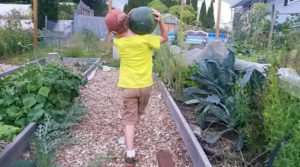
x,y
159,6
46,8
194,4
203,14
170,3
189,15
134,4
188,2
210,18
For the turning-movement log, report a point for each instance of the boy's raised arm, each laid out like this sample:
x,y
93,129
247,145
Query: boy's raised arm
x,y
163,29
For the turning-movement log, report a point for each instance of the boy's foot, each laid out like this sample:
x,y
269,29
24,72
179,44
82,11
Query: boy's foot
x,y
130,162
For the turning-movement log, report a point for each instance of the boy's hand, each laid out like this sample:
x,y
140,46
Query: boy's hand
x,y
128,15
157,15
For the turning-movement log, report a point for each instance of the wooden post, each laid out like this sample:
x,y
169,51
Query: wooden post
x,y
218,20
109,36
181,16
35,23
271,29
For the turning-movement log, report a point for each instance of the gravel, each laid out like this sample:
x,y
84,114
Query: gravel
x,y
6,67
101,131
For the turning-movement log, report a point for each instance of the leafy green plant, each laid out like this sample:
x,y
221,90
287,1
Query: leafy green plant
x,y
29,94
50,135
215,96
12,41
172,69
8,132
281,117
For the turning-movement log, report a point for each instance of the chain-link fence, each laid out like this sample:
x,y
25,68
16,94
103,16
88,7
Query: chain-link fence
x,y
58,32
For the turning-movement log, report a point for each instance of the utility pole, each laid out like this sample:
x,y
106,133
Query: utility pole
x,y
218,20
109,36
271,29
181,16
35,23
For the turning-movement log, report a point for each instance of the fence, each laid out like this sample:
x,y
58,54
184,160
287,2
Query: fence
x,y
92,23
58,32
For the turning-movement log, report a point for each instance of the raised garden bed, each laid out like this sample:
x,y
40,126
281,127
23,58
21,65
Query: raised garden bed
x,y
192,145
9,152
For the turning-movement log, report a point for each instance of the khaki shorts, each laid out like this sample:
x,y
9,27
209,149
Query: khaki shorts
x,y
134,104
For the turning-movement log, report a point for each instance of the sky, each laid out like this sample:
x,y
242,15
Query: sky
x,y
120,3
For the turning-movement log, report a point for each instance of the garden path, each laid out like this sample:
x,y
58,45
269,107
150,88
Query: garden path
x,y
98,134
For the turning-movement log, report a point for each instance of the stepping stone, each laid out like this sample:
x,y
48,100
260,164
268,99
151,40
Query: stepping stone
x,y
165,159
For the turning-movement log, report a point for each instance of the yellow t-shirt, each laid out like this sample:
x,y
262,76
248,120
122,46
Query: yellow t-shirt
x,y
136,60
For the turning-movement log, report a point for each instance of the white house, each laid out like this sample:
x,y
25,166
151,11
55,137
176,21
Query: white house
x,y
284,8
23,9
226,11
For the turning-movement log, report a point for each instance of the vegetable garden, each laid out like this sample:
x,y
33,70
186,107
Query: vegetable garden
x,y
239,102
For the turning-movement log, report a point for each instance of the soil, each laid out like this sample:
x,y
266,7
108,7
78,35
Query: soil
x,y
2,144
224,152
99,134
77,67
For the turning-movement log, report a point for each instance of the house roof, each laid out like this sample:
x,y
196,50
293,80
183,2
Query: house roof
x,y
244,3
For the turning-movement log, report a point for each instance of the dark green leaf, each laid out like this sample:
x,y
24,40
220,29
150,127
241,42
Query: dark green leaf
x,y
213,99
193,101
44,91
58,115
13,112
212,138
29,101
35,115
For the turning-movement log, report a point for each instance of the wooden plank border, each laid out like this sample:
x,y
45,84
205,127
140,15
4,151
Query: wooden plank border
x,y
13,151
191,143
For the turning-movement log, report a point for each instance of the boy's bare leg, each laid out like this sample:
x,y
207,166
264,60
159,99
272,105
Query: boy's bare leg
x,y
129,136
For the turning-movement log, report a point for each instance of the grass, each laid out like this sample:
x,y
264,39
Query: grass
x,y
81,45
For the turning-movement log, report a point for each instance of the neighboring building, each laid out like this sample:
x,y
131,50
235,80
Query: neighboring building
x,y
284,8
83,9
23,9
171,22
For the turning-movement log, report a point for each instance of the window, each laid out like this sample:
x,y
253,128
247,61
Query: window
x,y
287,2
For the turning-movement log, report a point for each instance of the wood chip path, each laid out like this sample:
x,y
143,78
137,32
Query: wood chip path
x,y
98,134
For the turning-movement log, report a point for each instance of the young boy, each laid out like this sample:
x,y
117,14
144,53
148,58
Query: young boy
x,y
135,70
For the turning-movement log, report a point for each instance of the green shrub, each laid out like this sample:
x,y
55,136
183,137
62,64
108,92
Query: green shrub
x,y
85,44
172,69
29,94
73,52
14,42
281,117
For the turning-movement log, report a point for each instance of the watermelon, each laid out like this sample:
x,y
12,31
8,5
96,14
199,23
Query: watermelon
x,y
141,21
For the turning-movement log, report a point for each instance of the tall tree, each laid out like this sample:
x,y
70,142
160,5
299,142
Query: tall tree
x,y
159,6
210,22
194,4
188,2
170,3
46,8
134,4
203,14
189,16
